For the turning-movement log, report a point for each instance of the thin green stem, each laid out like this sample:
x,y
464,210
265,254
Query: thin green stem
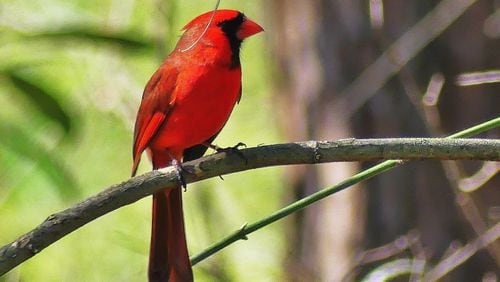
x,y
246,229
477,129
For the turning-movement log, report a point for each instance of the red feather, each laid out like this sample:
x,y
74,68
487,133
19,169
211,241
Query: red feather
x,y
185,103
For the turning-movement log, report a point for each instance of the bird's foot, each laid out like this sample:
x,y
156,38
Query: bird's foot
x,y
180,170
234,149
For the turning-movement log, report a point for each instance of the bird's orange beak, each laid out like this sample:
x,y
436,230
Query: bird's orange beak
x,y
248,28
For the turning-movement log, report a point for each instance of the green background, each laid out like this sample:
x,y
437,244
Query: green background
x,y
71,79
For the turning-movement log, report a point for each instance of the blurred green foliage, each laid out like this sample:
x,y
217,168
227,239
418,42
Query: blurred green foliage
x,y
71,78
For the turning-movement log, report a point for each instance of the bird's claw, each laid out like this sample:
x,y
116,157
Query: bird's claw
x,y
180,170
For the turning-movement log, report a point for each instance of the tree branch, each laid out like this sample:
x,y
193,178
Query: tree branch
x,y
373,171
60,224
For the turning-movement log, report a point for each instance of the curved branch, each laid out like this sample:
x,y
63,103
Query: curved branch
x,y
60,224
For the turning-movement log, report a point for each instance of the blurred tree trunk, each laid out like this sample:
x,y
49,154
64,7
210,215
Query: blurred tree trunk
x,y
321,239
321,46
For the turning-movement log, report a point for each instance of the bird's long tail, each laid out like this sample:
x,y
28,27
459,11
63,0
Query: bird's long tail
x,y
168,256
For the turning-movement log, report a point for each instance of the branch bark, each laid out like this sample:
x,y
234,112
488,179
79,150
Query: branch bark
x,y
60,224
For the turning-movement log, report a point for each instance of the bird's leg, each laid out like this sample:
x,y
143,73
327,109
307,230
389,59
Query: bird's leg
x,y
180,169
221,149
234,149
211,146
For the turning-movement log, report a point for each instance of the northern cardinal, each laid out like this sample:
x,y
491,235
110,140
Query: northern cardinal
x,y
184,106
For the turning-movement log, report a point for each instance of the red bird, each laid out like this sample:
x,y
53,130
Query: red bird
x,y
185,104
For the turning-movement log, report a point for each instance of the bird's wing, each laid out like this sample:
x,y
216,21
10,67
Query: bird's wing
x,y
157,102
